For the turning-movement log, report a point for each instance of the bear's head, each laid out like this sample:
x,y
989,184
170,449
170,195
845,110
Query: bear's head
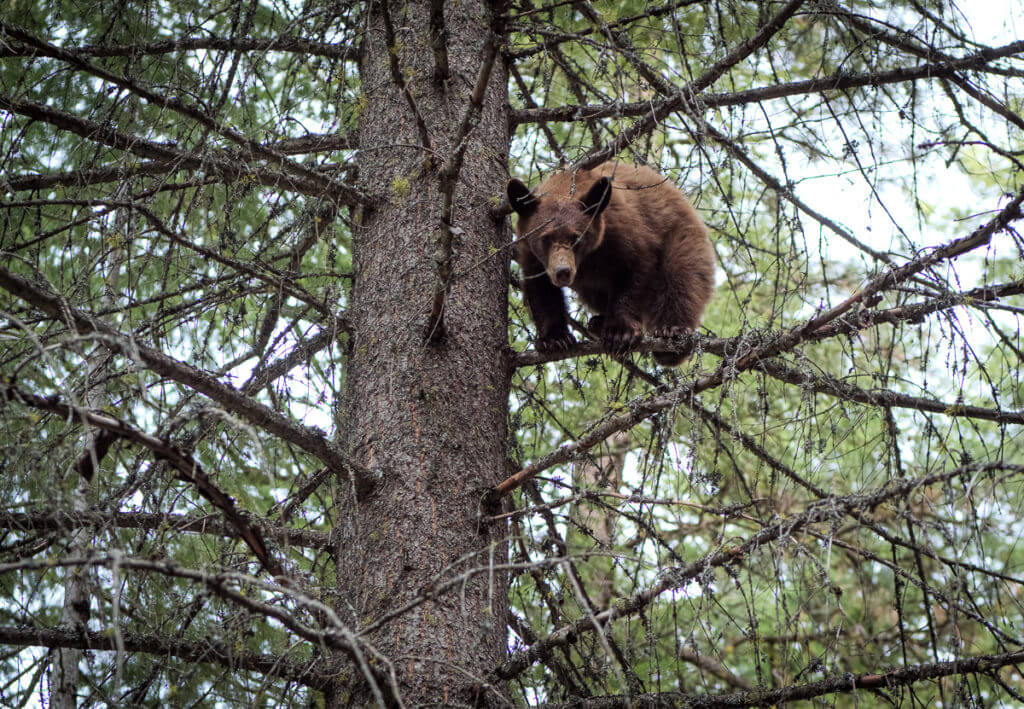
x,y
560,230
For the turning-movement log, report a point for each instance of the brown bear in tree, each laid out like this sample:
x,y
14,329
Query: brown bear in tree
x,y
627,241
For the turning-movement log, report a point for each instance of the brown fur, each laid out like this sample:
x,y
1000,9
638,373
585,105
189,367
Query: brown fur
x,y
640,258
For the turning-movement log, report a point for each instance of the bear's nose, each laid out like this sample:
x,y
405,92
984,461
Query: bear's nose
x,y
563,276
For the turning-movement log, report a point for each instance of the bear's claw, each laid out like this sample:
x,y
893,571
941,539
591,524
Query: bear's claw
x,y
669,332
555,343
620,338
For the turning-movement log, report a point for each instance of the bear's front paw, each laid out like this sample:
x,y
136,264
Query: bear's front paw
x,y
555,342
671,331
619,336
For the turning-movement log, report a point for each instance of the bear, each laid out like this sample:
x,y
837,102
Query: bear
x,y
626,241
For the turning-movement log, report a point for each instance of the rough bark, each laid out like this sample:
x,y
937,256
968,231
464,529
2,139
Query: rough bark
x,y
428,416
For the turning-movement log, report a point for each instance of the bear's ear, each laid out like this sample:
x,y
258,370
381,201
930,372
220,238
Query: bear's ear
x,y
596,198
519,196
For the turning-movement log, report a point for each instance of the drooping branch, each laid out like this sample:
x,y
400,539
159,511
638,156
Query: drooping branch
x,y
262,271
173,103
80,178
157,522
295,45
188,469
825,510
313,184
330,632
206,650
311,440
838,684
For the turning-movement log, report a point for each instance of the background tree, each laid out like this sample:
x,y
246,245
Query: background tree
x,y
273,431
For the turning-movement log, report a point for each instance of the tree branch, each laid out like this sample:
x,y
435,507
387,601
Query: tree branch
x,y
687,95
838,684
316,186
836,82
177,105
188,469
310,440
826,510
160,522
334,634
80,178
824,384
201,651
296,45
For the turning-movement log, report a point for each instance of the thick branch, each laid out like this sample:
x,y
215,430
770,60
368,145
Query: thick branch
x,y
723,346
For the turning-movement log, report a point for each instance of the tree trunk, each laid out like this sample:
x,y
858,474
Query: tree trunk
x,y
430,417
595,521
